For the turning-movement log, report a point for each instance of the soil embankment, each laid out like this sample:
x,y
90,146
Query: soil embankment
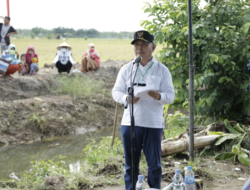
x,y
31,109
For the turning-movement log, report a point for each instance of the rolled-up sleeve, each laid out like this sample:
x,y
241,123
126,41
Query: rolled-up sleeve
x,y
56,59
119,90
167,89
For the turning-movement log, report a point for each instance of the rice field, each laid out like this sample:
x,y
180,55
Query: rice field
x,y
114,49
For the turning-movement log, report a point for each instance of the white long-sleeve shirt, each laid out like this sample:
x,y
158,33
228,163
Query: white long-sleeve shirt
x,y
147,112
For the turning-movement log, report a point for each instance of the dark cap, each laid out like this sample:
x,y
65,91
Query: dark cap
x,y
144,36
7,17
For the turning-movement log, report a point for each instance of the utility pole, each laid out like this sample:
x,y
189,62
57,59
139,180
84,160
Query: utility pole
x,y
191,83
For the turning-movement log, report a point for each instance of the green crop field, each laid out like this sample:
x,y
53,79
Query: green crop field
x,y
114,49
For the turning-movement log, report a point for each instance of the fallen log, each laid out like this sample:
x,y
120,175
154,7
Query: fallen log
x,y
170,147
246,151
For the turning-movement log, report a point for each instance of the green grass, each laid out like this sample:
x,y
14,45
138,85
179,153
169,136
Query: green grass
x,y
77,86
114,49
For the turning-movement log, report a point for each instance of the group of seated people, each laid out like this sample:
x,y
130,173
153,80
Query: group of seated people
x,y
64,62
28,63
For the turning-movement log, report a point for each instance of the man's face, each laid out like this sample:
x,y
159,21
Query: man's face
x,y
6,21
143,49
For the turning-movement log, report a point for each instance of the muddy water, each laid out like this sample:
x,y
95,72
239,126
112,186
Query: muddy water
x,y
17,158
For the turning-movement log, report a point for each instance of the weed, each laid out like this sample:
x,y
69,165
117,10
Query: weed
x,y
96,153
176,124
79,86
177,120
10,115
174,131
38,119
40,170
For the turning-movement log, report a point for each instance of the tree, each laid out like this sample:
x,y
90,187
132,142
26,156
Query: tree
x,y
32,35
64,31
80,33
71,33
221,52
36,31
50,36
92,33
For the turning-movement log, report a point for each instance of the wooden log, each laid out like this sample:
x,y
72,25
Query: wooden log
x,y
245,150
170,147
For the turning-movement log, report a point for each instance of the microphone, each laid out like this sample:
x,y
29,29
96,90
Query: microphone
x,y
138,59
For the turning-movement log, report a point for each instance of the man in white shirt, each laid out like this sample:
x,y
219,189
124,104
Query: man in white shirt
x,y
148,112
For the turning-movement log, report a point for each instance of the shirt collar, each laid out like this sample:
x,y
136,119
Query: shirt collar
x,y
152,60
148,64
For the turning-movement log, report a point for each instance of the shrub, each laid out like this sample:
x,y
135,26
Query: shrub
x,y
221,52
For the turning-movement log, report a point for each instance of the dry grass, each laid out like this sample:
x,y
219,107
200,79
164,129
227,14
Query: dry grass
x,y
114,49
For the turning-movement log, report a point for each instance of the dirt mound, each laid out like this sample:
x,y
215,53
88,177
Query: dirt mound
x,y
109,169
31,110
56,183
111,62
24,87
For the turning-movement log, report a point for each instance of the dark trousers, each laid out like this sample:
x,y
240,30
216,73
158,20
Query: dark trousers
x,y
148,140
63,68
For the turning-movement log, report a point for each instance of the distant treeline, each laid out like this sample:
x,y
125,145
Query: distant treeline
x,y
62,32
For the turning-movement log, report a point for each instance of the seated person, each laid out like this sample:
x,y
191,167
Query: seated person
x,y
15,64
90,60
63,60
32,60
25,66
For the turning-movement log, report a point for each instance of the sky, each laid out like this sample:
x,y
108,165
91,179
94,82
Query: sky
x,y
103,15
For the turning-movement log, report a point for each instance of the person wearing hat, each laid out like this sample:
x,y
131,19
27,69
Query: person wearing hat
x,y
6,30
148,112
63,60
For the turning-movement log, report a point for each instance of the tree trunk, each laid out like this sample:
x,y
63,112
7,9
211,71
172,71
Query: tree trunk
x,y
170,147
